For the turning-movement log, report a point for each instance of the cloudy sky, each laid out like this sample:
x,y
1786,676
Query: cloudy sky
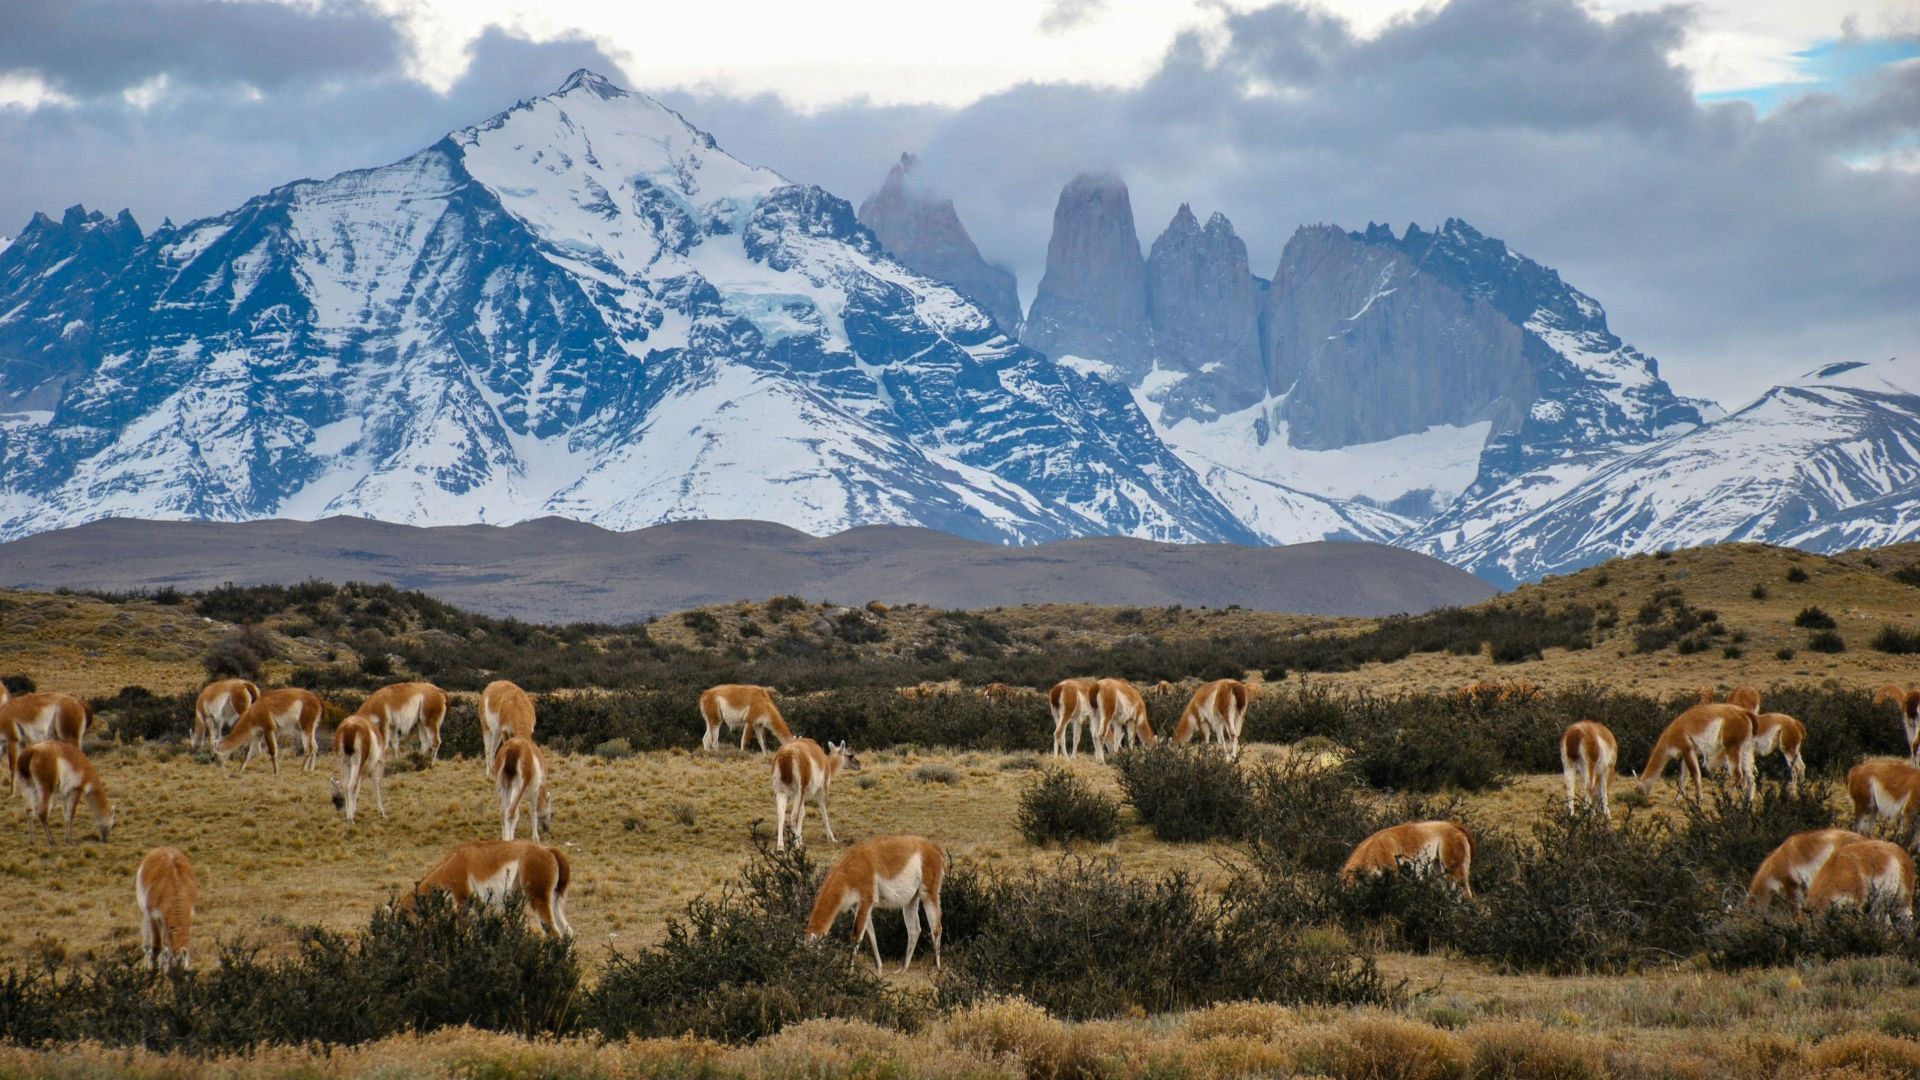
x,y
1737,180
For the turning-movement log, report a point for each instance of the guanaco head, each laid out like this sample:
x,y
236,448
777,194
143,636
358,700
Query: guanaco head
x,y
105,821
846,760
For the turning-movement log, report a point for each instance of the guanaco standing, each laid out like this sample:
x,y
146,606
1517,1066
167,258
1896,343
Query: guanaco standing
x,y
166,889
895,873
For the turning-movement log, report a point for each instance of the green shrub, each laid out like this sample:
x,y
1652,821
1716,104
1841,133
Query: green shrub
x,y
241,654
1813,618
1586,897
1891,639
613,750
1908,574
1303,816
1724,837
1777,937
432,967
1059,807
1826,641
138,713
1796,575
1083,940
1185,794
739,967
934,772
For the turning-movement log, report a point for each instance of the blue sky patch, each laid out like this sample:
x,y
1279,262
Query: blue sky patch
x,y
1834,66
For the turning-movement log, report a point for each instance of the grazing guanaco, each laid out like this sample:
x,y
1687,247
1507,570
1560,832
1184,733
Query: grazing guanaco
x,y
749,708
999,691
1778,731
492,869
1217,711
1588,752
1859,873
1883,789
32,718
219,707
1712,734
1789,871
1908,702
49,771
1419,845
166,889
802,770
894,873
1071,704
401,707
286,712
1119,715
362,744
506,712
520,776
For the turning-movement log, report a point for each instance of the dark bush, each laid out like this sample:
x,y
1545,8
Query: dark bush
x,y
1303,815
1586,897
740,968
1427,753
1722,836
1083,940
241,654
1796,575
782,606
1777,937
138,713
1812,618
1185,794
1758,592
436,966
19,684
1826,641
1891,639
1059,807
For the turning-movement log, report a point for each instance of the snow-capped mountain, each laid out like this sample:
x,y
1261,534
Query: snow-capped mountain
x,y
585,307
581,306
1829,462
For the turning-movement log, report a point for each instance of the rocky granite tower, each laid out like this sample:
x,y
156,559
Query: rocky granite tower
x,y
924,232
1092,302
1204,307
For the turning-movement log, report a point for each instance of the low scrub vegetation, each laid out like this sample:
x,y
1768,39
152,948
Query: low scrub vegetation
x,y
1084,940
410,971
1058,807
1184,795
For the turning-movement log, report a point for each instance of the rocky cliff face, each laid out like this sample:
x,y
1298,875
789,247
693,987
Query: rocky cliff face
x,y
1203,305
924,232
49,302
1092,301
1365,346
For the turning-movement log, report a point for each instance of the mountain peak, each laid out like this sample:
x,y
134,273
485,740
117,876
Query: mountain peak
x,y
923,231
592,82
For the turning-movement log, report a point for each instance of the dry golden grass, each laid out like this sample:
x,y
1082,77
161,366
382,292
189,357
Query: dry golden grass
x,y
1014,1039
646,833
649,832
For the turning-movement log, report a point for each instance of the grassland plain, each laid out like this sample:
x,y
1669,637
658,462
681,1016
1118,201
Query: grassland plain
x,y
651,831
